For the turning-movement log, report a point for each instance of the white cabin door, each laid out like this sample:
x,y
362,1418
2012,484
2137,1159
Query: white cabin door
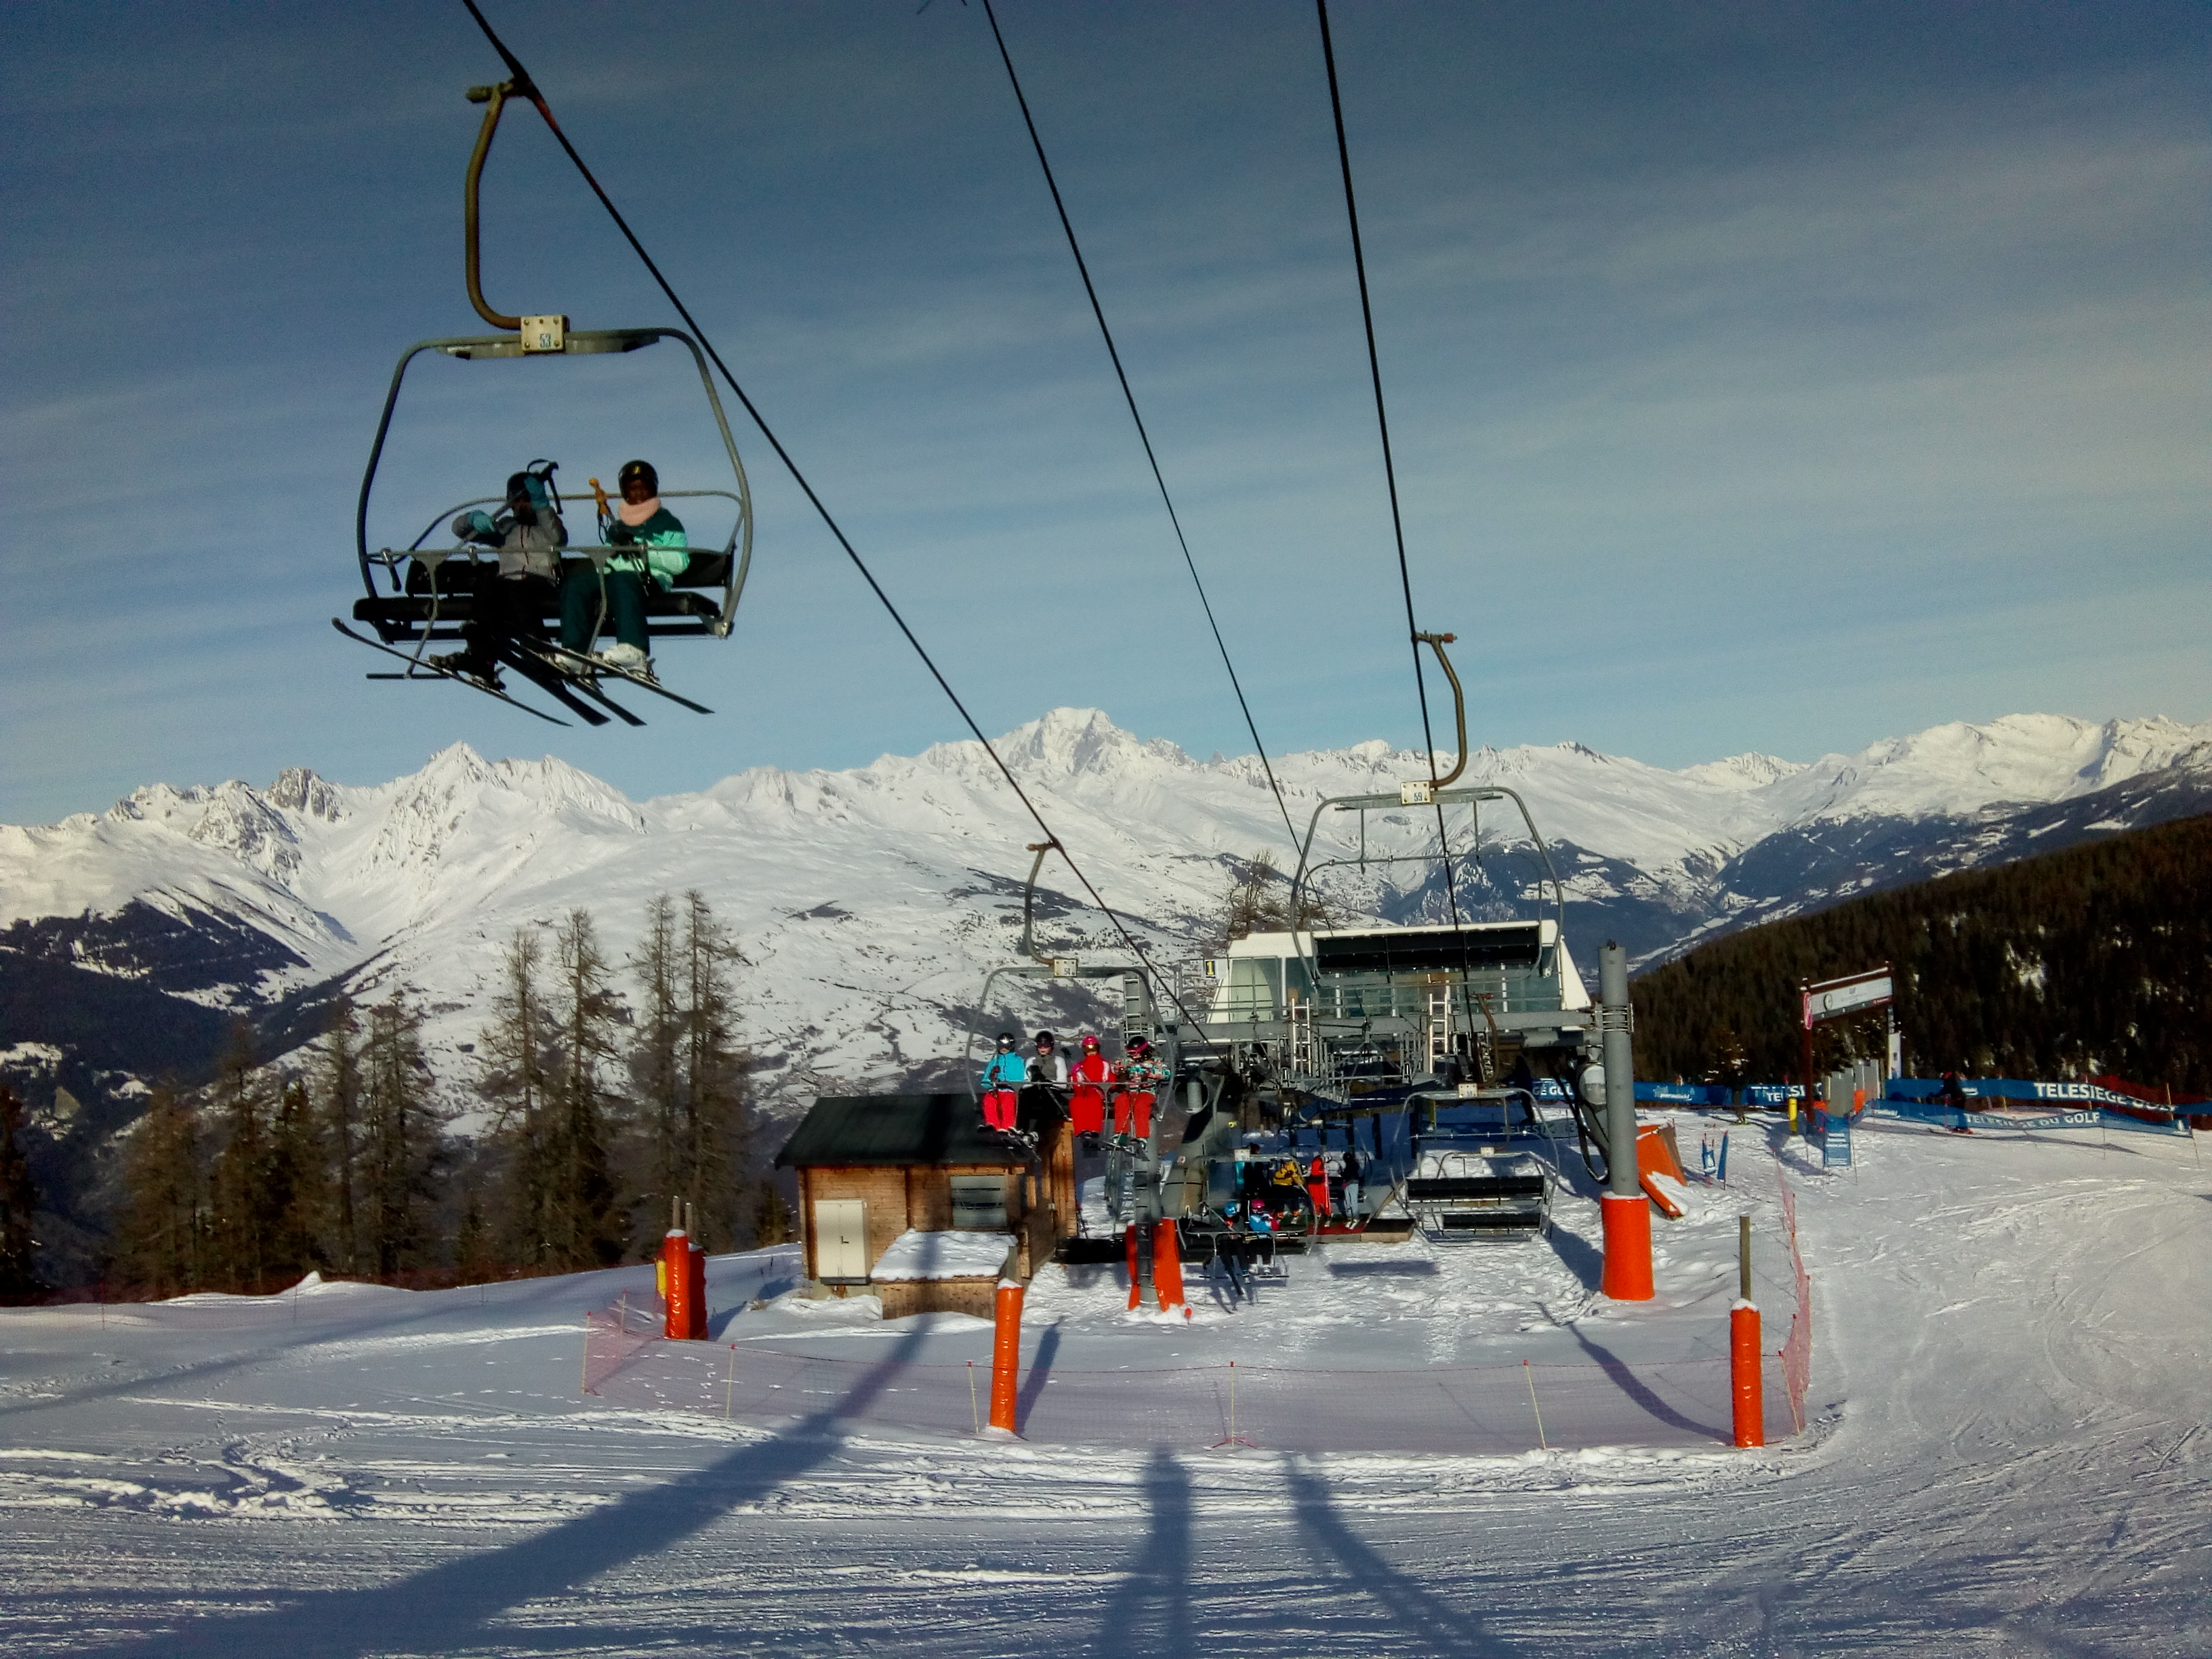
x,y
841,1239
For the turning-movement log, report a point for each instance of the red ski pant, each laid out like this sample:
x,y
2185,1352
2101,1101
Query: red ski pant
x,y
999,1107
1086,1109
1133,1113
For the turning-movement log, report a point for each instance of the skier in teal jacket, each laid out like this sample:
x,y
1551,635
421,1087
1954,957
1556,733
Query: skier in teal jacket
x,y
652,545
1002,1080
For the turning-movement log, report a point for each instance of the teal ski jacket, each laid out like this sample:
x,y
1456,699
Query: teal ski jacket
x,y
664,551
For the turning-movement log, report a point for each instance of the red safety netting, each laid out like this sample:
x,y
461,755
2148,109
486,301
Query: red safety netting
x,y
1456,1409
1797,1351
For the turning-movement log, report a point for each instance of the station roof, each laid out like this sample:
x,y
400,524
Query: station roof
x,y
895,1131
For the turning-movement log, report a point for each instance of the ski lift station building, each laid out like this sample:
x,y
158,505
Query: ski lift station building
x,y
910,1198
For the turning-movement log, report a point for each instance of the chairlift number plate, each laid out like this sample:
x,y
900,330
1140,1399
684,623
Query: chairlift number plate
x,y
545,333
1417,795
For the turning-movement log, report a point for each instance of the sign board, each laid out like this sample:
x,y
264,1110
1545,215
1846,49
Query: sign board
x,y
1831,997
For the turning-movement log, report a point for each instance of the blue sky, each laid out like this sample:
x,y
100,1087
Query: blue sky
x,y
1763,377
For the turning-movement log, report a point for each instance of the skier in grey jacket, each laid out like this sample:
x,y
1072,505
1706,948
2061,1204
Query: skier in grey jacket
x,y
513,595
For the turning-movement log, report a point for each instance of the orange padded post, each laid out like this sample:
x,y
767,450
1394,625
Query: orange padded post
x,y
1627,1276
1167,1267
695,1266
1005,1354
1744,1375
675,1284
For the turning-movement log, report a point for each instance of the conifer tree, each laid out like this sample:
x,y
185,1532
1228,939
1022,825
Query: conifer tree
x,y
771,1215
515,1051
160,1242
297,1181
243,1217
1258,901
475,1255
585,1228
19,1278
656,1059
715,1129
401,1148
340,1073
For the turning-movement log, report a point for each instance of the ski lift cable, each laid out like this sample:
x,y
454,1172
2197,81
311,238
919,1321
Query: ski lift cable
x,y
1389,467
528,87
1098,310
1397,519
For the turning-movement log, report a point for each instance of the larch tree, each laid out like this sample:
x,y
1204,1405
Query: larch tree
x,y
516,1053
19,1278
656,1059
298,1177
339,1071
243,1220
401,1141
161,1237
715,1128
1258,901
586,1228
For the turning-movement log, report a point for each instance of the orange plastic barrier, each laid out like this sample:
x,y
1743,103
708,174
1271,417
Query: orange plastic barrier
x,y
1655,1154
1750,1400
1005,1354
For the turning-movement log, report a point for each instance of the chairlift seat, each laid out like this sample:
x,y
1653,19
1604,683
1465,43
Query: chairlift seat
x,y
1455,1195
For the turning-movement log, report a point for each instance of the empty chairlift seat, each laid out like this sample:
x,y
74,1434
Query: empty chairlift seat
x,y
1455,1195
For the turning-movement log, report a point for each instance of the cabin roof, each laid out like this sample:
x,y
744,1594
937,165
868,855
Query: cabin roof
x,y
1285,944
895,1131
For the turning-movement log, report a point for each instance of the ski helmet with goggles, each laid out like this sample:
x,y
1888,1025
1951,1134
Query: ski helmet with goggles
x,y
1140,1045
1045,1039
1089,1041
1006,1039
639,469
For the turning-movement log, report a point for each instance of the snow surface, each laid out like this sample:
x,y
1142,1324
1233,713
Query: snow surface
x,y
2009,1456
943,1255
872,902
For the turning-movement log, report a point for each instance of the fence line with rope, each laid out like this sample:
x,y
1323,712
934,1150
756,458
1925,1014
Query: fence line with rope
x,y
1494,1409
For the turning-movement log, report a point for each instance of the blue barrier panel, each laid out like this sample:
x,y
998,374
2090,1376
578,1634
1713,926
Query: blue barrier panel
x,y
2013,1088
2087,1117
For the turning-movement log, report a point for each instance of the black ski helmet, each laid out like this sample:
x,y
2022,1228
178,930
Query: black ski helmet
x,y
1006,1039
639,469
1139,1046
1045,1039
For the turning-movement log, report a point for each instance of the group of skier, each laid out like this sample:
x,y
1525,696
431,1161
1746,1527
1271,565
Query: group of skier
x,y
1023,1091
513,592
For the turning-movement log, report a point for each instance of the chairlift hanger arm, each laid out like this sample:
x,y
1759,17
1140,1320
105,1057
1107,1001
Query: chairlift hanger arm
x,y
1029,896
1437,642
496,97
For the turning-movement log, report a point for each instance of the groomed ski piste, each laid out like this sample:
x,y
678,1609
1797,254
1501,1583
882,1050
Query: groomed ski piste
x,y
2004,1451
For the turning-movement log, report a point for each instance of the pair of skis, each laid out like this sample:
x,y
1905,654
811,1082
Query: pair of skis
x,y
571,678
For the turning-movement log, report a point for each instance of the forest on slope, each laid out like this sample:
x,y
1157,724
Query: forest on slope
x,y
2094,959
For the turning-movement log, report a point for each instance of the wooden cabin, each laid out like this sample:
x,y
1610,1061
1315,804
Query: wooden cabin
x,y
892,1182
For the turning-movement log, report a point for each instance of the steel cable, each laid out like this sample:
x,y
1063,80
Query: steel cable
x,y
528,87
1143,437
1390,478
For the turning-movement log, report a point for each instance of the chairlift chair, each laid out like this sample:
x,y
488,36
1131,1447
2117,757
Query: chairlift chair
x,y
424,592
421,591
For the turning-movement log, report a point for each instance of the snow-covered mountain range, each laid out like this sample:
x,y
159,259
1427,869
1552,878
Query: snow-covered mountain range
x,y
872,902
